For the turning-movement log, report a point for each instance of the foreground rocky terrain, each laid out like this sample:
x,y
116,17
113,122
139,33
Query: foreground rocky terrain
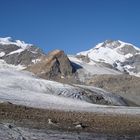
x,y
20,122
96,95
20,133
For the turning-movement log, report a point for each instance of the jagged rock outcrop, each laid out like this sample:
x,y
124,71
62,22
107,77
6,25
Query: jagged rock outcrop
x,y
54,65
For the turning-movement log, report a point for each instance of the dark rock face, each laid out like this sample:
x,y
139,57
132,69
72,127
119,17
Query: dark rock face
x,y
55,64
61,59
8,48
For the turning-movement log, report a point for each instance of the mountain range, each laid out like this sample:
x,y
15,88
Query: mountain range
x,y
114,56
104,66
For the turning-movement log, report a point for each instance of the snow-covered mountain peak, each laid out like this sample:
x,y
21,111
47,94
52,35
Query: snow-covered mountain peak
x,y
18,52
121,55
117,49
10,41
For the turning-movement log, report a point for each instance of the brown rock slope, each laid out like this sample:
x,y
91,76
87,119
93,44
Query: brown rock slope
x,y
124,85
55,65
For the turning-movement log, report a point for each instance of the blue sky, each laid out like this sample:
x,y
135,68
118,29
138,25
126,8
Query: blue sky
x,y
70,25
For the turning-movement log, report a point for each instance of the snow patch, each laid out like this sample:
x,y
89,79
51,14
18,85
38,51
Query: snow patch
x,y
4,65
129,67
17,51
36,60
2,54
128,55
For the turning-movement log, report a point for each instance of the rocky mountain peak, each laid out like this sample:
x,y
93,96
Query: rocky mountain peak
x,y
53,65
111,44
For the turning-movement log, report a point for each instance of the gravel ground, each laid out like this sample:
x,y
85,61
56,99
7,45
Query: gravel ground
x,y
20,133
24,123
